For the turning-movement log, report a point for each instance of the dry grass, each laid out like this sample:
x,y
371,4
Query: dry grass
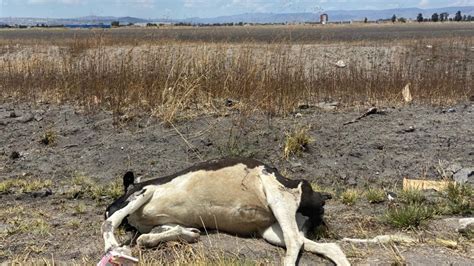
x,y
375,195
408,215
458,199
23,185
85,187
174,80
296,142
350,196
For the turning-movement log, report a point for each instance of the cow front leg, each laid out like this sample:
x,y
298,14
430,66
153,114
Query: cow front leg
x,y
135,201
167,233
284,203
332,251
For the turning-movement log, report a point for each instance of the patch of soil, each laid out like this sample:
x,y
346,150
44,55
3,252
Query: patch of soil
x,y
378,150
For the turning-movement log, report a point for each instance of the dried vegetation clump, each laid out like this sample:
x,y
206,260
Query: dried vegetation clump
x,y
174,80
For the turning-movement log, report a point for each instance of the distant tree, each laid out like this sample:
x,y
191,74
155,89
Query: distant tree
x,y
444,16
394,18
402,20
115,24
365,20
435,17
419,18
458,16
464,18
469,18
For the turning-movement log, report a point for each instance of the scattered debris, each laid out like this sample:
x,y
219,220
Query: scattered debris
x,y
304,106
382,239
14,155
447,243
410,129
340,64
449,110
230,102
407,94
25,118
371,111
452,169
419,184
328,105
38,117
298,115
465,175
465,222
466,227
13,115
42,194
429,46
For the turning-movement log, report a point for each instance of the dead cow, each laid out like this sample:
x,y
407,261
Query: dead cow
x,y
236,195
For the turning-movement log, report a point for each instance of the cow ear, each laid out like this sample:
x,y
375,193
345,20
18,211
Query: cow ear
x,y
128,179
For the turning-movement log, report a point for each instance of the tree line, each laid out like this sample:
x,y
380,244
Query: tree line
x,y
444,17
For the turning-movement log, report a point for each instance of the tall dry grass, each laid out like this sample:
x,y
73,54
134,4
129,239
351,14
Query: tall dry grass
x,y
172,80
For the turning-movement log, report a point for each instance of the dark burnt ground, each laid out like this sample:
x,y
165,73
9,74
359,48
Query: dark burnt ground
x,y
377,151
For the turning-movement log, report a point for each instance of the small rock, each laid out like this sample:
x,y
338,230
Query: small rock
x,y
352,181
13,115
230,102
340,64
407,130
454,168
25,118
42,194
14,155
38,117
429,46
465,175
355,154
295,164
206,142
466,227
298,115
304,106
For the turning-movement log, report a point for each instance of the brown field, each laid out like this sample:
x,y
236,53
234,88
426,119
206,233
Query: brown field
x,y
80,107
296,34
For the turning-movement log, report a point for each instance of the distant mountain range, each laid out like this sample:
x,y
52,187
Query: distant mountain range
x,y
334,15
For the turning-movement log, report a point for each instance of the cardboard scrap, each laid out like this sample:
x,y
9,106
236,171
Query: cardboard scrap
x,y
420,184
407,94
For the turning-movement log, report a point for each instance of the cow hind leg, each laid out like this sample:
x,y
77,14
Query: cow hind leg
x,y
165,233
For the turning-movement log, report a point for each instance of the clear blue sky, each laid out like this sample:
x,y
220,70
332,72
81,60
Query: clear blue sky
x,y
199,8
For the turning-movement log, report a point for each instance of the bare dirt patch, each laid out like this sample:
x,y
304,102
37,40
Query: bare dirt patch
x,y
61,218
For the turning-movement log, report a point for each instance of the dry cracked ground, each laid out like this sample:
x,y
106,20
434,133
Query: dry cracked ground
x,y
60,166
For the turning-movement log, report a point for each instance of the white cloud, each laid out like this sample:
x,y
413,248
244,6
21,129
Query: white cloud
x,y
464,3
424,3
67,2
137,3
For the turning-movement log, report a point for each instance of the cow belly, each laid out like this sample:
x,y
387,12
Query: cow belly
x,y
230,200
